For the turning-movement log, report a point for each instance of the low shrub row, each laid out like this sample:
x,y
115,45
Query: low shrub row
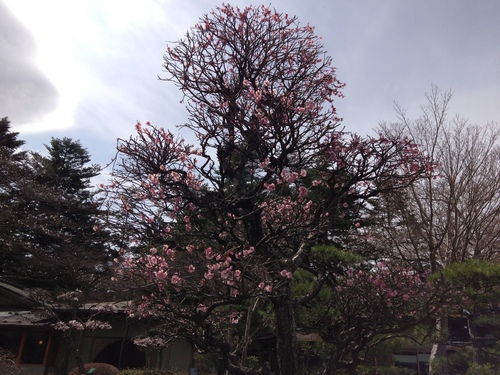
x,y
106,369
151,372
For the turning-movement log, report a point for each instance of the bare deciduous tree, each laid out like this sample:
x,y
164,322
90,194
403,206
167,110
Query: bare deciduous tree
x,y
453,215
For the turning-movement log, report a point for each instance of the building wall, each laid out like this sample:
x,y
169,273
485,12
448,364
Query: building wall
x,y
109,346
106,345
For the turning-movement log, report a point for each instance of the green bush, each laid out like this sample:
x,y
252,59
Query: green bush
x,y
386,370
476,369
151,372
456,363
132,371
100,369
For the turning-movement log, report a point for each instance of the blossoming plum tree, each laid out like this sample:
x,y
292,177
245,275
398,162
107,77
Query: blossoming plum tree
x,y
216,230
364,305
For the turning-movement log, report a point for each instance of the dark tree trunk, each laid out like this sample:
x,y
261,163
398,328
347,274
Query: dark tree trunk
x,y
62,368
285,332
78,351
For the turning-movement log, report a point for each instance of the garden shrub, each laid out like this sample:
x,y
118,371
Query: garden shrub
x,y
132,371
100,369
455,363
8,365
151,372
476,369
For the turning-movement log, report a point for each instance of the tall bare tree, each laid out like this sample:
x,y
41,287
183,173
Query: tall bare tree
x,y
452,215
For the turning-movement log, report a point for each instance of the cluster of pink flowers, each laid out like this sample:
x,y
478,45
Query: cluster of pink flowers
x,y
88,325
385,287
155,342
285,212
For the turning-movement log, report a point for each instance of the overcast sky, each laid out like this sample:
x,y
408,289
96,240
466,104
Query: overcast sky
x,y
87,69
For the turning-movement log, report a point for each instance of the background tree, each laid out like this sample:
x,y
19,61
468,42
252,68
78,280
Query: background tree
x,y
9,144
12,177
10,155
65,168
453,216
50,233
75,239
53,239
219,226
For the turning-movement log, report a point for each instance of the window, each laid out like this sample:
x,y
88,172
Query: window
x,y
458,329
415,360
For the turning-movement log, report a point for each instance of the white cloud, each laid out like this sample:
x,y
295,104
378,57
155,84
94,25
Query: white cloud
x,y
26,93
80,44
103,57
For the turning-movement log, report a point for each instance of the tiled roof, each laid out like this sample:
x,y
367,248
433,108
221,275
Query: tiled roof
x,y
19,318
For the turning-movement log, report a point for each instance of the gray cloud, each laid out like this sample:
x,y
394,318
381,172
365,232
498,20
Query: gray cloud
x,y
26,94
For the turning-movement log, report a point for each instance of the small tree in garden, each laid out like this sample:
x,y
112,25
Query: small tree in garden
x,y
364,305
216,232
73,317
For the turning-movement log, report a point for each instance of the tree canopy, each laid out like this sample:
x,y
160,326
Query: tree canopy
x,y
214,227
49,218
